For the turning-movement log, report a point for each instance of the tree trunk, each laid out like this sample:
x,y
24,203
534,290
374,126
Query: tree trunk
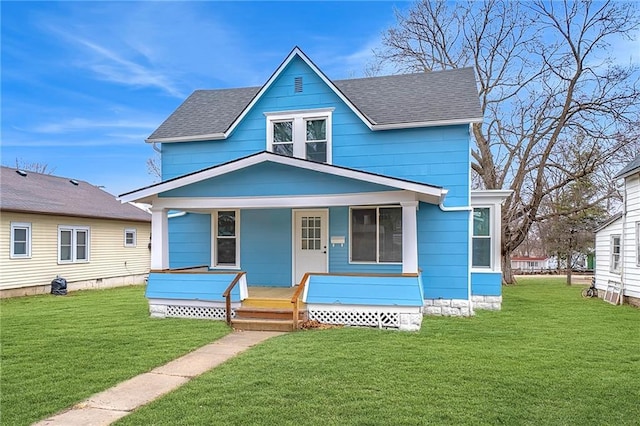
x,y
569,266
507,273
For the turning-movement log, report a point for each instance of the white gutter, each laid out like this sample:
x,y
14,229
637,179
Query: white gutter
x,y
468,209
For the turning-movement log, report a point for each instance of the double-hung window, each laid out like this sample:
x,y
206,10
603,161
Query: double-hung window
x,y
305,134
376,234
615,253
20,240
226,244
73,244
130,237
482,245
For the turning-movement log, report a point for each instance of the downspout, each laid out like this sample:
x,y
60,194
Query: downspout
x,y
155,148
468,209
624,225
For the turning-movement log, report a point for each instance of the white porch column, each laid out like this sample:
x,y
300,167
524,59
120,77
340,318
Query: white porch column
x,y
409,237
159,238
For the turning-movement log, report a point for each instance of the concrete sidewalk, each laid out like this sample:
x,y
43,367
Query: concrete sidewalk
x,y
106,407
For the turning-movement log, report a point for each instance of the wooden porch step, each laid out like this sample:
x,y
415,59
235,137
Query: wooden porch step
x,y
250,324
247,312
264,302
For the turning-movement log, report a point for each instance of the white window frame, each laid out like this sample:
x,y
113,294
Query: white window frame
x,y
637,243
377,209
214,239
27,227
74,244
299,133
612,265
134,233
492,239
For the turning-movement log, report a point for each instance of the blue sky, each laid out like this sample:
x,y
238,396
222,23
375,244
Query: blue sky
x,y
84,83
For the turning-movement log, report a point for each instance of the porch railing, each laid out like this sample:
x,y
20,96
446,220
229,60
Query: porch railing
x,y
295,300
227,295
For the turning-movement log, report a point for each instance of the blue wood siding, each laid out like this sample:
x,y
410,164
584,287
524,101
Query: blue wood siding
x,y
265,246
437,155
354,290
443,252
486,283
191,286
272,179
189,240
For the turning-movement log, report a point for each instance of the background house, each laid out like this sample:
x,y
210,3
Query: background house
x,y
357,191
618,244
529,264
54,226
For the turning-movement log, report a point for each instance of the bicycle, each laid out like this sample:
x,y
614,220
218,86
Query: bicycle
x,y
591,291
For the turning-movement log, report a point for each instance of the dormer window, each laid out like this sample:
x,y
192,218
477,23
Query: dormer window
x,y
301,134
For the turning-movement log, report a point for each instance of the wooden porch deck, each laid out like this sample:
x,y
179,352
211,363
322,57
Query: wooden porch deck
x,y
271,292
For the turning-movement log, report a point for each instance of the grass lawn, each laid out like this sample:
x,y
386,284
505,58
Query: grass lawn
x,y
58,350
549,357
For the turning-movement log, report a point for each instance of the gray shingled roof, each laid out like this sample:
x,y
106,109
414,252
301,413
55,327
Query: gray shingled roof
x,y
631,167
396,99
47,194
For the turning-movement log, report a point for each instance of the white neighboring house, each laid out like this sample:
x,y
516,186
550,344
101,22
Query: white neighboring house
x,y
618,242
527,264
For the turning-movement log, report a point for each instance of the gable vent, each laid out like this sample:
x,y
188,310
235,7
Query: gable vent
x,y
297,85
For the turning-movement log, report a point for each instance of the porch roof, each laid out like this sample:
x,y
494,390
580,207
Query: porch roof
x,y
403,190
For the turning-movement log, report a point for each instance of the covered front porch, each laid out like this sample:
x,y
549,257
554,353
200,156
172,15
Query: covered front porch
x,y
344,299
348,239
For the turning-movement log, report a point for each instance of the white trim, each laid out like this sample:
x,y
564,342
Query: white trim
x,y
409,237
135,237
214,237
429,193
637,243
159,238
298,136
74,243
20,225
411,125
302,201
297,52
491,237
620,258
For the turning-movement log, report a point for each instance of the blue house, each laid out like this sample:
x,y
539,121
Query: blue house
x,y
350,197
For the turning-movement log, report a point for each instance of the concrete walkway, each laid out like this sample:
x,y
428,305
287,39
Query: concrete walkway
x,y
106,407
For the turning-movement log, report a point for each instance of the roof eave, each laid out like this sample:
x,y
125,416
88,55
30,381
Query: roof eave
x,y
194,138
435,123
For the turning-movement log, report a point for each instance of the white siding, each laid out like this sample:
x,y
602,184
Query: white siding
x,y
603,255
108,256
631,268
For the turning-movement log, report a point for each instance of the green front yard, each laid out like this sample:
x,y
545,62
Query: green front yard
x,y
549,357
59,350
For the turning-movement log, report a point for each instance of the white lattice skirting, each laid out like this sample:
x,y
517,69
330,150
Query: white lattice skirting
x,y
161,308
409,319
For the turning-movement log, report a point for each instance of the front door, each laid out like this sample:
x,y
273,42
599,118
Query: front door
x,y
310,245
